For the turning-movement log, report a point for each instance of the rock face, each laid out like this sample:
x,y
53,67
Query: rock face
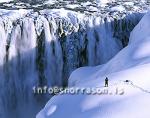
x,y
42,47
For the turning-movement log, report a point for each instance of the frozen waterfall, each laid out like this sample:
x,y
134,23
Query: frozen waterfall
x,y
43,48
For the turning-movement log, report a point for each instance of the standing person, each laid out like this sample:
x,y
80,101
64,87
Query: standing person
x,y
106,82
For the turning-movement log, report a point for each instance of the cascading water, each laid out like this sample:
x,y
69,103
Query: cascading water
x,y
43,48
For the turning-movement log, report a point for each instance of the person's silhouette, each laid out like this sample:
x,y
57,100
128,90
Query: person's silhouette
x,y
106,82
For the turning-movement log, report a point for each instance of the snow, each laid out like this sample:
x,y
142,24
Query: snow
x,y
72,6
51,110
119,8
91,8
50,2
13,14
129,3
86,3
142,28
5,1
132,63
105,1
62,13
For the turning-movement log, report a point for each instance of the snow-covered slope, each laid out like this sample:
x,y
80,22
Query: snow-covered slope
x,y
132,63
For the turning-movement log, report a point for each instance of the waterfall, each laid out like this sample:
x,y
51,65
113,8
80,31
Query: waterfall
x,y
42,49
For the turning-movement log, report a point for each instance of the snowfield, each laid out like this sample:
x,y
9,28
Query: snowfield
x,y
132,63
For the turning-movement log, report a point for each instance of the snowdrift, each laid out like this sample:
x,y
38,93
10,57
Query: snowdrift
x,y
132,63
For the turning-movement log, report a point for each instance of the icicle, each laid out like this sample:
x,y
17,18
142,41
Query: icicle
x,y
3,43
